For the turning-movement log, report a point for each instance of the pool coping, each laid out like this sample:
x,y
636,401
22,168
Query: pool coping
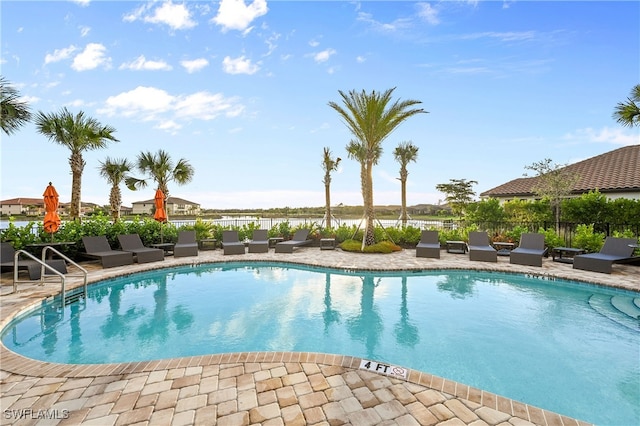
x,y
18,364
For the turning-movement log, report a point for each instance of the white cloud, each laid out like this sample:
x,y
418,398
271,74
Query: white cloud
x,y
84,31
141,63
141,101
239,65
194,65
205,106
152,104
360,59
91,57
398,24
59,54
314,43
324,55
82,3
236,15
428,13
615,136
176,16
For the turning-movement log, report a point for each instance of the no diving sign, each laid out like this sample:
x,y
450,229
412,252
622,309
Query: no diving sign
x,y
386,369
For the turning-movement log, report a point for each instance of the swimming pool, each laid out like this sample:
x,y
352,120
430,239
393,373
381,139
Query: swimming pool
x,y
557,345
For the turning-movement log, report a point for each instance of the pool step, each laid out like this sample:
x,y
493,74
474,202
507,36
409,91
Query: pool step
x,y
619,309
636,301
626,305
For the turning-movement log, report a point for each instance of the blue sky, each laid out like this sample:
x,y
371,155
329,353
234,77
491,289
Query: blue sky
x,y
241,91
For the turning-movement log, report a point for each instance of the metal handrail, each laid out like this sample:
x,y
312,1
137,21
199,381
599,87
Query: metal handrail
x,y
82,270
16,259
46,267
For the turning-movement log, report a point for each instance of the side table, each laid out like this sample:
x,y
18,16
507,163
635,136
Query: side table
x,y
167,247
327,243
275,240
503,248
456,247
207,244
558,254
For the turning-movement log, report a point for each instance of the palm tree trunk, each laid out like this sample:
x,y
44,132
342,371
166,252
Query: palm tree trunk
x,y
327,198
403,191
115,200
77,166
368,238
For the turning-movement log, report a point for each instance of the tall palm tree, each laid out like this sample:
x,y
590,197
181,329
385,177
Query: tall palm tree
x,y
405,153
371,117
161,168
115,171
14,112
329,164
628,113
79,133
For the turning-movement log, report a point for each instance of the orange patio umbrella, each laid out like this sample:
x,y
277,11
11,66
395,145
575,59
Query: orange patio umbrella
x,y
51,218
161,214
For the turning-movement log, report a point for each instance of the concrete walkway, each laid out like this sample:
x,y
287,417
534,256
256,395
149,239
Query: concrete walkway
x,y
267,388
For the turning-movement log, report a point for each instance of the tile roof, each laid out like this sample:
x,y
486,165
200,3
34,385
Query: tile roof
x,y
613,171
23,201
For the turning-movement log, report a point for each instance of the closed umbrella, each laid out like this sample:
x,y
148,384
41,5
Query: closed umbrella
x,y
161,214
51,218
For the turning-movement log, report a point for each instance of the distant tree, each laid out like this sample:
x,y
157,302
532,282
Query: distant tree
x,y
628,113
554,182
371,117
404,153
484,211
115,171
14,112
79,133
329,164
161,168
459,194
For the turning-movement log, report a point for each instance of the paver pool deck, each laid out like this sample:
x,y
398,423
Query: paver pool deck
x,y
266,388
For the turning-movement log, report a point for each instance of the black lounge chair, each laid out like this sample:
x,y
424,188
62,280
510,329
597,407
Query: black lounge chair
x,y
429,245
7,260
614,250
99,248
530,251
299,239
186,245
260,241
231,243
480,249
133,243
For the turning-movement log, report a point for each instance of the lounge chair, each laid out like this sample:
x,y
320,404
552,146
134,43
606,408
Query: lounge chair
x,y
530,250
614,250
186,245
299,239
429,245
133,243
260,241
480,249
231,243
7,260
99,248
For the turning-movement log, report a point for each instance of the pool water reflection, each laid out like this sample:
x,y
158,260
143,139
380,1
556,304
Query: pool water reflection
x,y
532,340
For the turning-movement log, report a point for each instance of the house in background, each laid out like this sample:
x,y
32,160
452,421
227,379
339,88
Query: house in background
x,y
22,206
174,206
615,174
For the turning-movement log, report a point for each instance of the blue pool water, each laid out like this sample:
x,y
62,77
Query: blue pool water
x,y
554,344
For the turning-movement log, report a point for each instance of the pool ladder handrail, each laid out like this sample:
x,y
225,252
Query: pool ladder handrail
x,y
45,267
